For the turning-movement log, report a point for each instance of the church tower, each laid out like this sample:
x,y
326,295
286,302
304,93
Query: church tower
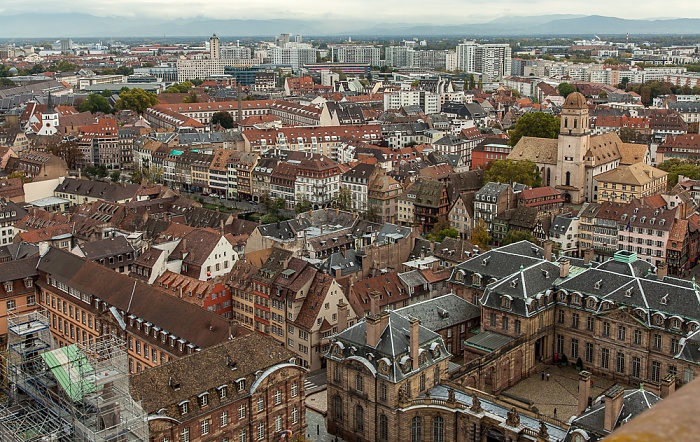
x,y
573,144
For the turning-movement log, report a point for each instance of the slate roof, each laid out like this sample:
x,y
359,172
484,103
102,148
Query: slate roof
x,y
393,345
442,312
593,420
488,341
95,250
18,269
97,189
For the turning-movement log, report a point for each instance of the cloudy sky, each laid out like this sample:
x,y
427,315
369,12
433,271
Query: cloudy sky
x,y
414,11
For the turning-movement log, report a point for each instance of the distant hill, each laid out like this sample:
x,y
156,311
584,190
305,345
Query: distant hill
x,y
84,25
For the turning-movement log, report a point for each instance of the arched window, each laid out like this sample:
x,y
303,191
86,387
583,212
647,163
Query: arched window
x,y
575,121
416,429
438,429
566,122
359,419
383,428
549,176
568,178
338,408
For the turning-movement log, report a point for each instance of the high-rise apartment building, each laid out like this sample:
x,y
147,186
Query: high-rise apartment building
x,y
492,61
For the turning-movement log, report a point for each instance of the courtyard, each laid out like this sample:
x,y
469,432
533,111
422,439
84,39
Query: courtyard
x,y
560,393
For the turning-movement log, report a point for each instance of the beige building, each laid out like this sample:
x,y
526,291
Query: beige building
x,y
627,182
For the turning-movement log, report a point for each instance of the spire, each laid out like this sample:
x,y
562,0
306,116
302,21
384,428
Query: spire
x,y
49,104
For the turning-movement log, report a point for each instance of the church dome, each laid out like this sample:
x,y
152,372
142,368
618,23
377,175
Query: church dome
x,y
575,100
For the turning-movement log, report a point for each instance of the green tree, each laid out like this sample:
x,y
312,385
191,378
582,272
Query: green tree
x,y
480,236
603,94
518,235
628,135
534,124
372,214
115,176
138,100
472,82
179,88
64,66
509,171
343,200
222,118
565,89
20,174
136,177
37,69
69,151
107,93
197,81
303,206
99,171
124,70
676,167
6,82
440,235
191,98
95,103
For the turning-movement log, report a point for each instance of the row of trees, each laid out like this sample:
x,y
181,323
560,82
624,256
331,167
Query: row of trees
x,y
137,100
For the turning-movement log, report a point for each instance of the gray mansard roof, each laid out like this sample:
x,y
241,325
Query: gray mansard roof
x,y
393,346
442,312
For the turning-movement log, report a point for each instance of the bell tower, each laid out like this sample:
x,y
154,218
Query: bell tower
x,y
573,144
574,115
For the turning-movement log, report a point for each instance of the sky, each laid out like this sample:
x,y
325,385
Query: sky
x,y
408,11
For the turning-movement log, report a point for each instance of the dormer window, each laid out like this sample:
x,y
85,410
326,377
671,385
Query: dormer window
x,y
8,286
28,282
476,279
505,302
241,384
223,391
184,407
204,399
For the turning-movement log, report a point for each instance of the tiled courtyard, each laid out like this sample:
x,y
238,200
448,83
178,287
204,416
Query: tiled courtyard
x,y
560,392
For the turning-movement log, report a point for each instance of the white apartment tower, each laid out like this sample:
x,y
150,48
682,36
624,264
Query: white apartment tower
x,y
214,48
492,61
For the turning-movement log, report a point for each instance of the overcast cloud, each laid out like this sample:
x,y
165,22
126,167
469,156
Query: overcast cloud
x,y
409,11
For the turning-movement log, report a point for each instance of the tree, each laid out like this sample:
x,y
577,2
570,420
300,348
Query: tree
x,y
99,171
676,167
6,82
517,236
197,81
472,82
303,206
534,124
440,235
565,89
510,171
628,135
191,98
136,177
223,118
95,103
343,200
124,70
179,88
480,236
603,94
138,100
69,151
372,214
693,127
20,174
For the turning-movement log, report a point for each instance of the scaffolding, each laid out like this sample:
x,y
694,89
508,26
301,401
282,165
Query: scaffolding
x,y
78,393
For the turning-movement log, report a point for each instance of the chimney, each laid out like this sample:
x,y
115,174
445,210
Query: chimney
x,y
661,270
548,250
342,316
338,273
588,255
374,303
668,385
613,405
184,245
584,391
564,267
180,291
222,226
414,342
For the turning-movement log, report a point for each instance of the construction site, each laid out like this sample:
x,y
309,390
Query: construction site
x,y
77,393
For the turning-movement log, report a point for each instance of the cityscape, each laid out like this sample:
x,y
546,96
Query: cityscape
x,y
272,223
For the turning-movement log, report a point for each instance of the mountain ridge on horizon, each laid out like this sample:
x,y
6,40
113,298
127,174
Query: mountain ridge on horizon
x,y
55,25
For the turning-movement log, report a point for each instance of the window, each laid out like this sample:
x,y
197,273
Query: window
x,y
422,381
560,316
31,300
241,385
606,329
589,352
516,324
620,365
416,429
278,397
590,323
656,371
382,392
674,346
358,383
295,415
261,404
185,407
574,348
278,423
11,305
636,367
224,418
560,344
204,400
223,392
383,428
205,427
438,429
574,320
261,430
657,341
185,435
338,408
621,333
295,389
504,323
638,337
241,411
243,436
493,319
359,419
605,358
